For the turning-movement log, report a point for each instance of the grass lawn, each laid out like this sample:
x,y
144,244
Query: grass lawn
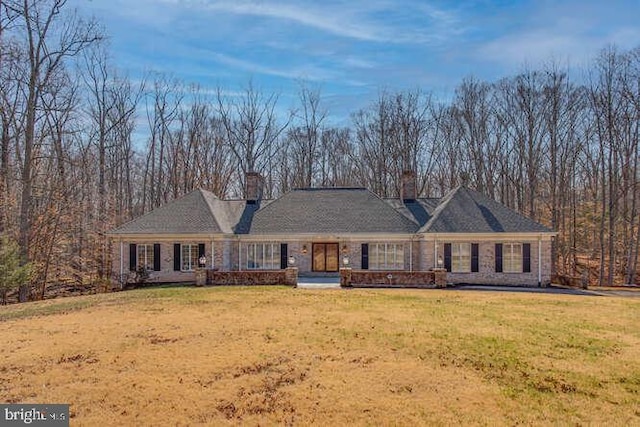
x,y
189,356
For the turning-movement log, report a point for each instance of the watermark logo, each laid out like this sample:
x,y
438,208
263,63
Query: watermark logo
x,y
40,415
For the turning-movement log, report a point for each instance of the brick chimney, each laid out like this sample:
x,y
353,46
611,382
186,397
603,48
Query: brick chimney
x,y
408,191
253,187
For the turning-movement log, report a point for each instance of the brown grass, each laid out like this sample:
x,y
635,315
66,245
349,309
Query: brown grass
x,y
193,356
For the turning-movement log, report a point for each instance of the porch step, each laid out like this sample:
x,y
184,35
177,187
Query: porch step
x,y
314,274
316,282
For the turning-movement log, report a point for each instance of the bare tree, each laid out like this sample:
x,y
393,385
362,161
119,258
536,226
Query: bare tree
x,y
166,99
252,129
304,139
112,103
51,37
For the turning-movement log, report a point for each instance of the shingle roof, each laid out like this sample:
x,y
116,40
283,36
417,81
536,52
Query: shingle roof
x,y
197,212
420,210
330,210
466,211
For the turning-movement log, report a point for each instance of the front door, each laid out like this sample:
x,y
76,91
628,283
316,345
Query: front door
x,y
325,257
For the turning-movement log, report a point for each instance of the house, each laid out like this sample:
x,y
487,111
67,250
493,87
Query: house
x,y
476,239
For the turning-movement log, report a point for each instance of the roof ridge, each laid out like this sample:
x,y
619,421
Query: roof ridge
x,y
333,210
152,211
192,211
441,207
211,208
396,211
325,188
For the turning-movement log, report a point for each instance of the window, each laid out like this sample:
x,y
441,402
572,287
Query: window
x,y
460,257
263,256
145,256
386,256
512,257
189,257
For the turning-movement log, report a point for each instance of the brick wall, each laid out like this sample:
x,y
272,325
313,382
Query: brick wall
x,y
225,257
363,278
288,277
166,273
353,251
487,274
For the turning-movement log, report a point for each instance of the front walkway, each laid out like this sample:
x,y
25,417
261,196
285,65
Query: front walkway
x,y
308,282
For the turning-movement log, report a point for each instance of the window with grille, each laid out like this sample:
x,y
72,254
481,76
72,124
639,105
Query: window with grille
x,y
386,256
263,256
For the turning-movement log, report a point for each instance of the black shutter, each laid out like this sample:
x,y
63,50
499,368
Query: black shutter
x,y
498,257
176,257
475,267
133,257
526,257
156,257
447,256
365,256
201,253
283,255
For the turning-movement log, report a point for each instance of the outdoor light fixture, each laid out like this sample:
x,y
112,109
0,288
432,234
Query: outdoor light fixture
x,y
345,261
292,260
304,249
440,262
202,261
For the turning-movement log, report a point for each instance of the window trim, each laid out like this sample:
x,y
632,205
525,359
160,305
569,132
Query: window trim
x,y
193,261
456,256
508,257
275,261
373,256
144,260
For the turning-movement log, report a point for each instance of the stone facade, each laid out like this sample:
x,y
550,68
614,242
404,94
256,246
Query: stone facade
x,y
393,278
288,276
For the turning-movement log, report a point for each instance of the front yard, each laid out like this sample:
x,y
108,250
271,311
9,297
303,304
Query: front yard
x,y
185,356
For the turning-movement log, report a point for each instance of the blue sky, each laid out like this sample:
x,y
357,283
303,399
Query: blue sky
x,y
354,49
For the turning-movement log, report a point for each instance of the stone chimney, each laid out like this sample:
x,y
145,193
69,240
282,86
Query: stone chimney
x,y
408,191
253,187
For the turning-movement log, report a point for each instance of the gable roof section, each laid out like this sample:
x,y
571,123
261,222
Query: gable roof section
x,y
330,210
466,211
197,212
419,211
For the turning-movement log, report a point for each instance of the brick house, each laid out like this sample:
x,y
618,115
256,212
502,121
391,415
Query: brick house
x,y
320,230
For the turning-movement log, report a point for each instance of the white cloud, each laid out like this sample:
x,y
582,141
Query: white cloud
x,y
373,21
574,31
538,46
309,72
333,23
533,47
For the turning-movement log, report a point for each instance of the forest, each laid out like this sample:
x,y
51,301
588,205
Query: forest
x,y
559,146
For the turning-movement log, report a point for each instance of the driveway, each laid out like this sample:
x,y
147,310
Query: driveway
x,y
548,290
334,283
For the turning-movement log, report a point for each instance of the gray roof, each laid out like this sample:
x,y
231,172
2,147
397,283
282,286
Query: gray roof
x,y
197,212
330,210
419,211
466,211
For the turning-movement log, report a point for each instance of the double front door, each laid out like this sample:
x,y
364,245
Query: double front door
x,y
325,257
